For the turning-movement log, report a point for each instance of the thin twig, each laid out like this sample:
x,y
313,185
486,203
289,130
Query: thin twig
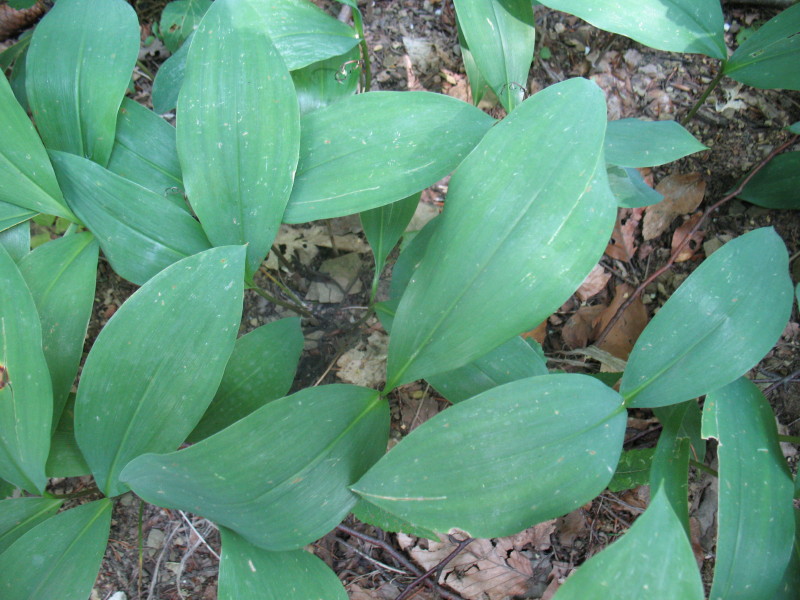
x,y
369,558
437,569
154,576
711,86
197,533
624,306
788,379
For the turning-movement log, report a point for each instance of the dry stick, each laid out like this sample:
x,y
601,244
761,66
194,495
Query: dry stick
x,y
436,569
624,306
400,559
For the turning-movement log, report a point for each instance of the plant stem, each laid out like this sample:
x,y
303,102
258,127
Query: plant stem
x,y
711,86
791,439
624,306
290,305
359,23
81,494
698,465
286,290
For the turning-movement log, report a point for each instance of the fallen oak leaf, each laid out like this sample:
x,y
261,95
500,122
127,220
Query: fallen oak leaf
x,y
621,337
694,243
682,193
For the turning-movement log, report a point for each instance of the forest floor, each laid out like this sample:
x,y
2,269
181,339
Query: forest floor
x,y
414,45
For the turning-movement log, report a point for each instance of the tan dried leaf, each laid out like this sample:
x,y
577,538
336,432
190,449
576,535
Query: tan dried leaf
x,y
594,283
626,330
682,193
581,328
622,245
694,244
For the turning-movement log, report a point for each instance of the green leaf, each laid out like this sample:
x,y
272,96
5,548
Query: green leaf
x,y
377,148
637,143
305,449
26,398
58,558
140,232
366,512
79,64
768,58
66,458
670,468
509,362
169,79
12,215
717,325
653,560
384,226
15,54
477,82
561,437
303,33
694,26
501,37
61,277
633,469
777,185
327,81
756,516
690,427
246,571
160,358
28,178
787,590
17,240
528,212
145,152
18,515
629,188
794,128
238,130
179,19
20,4
261,369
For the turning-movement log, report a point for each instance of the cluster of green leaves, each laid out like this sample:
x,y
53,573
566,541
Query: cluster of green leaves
x,y
263,136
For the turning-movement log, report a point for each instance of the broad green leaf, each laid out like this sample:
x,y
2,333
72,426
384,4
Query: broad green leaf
x,y
238,129
261,369
7,490
66,458
26,397
508,362
477,82
409,259
79,64
787,589
246,571
768,58
501,36
629,188
11,215
637,143
145,152
61,276
561,438
377,148
653,560
670,467
169,79
690,427
303,33
717,325
794,128
155,366
777,185
366,512
17,240
694,26
15,54
18,515
20,4
305,450
528,212
383,227
140,231
179,19
327,81
633,469
58,558
26,173
756,516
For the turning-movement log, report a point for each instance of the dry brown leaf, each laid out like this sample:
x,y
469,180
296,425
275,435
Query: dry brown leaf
x,y
682,193
456,85
581,328
303,243
486,569
557,577
622,245
571,526
539,333
694,243
365,365
626,330
594,283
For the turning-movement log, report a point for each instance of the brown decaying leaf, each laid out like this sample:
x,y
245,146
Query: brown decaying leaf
x,y
572,526
622,245
694,244
539,333
682,193
582,327
626,330
486,569
594,283
456,85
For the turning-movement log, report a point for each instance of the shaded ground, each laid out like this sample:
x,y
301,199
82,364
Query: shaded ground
x,y
414,45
